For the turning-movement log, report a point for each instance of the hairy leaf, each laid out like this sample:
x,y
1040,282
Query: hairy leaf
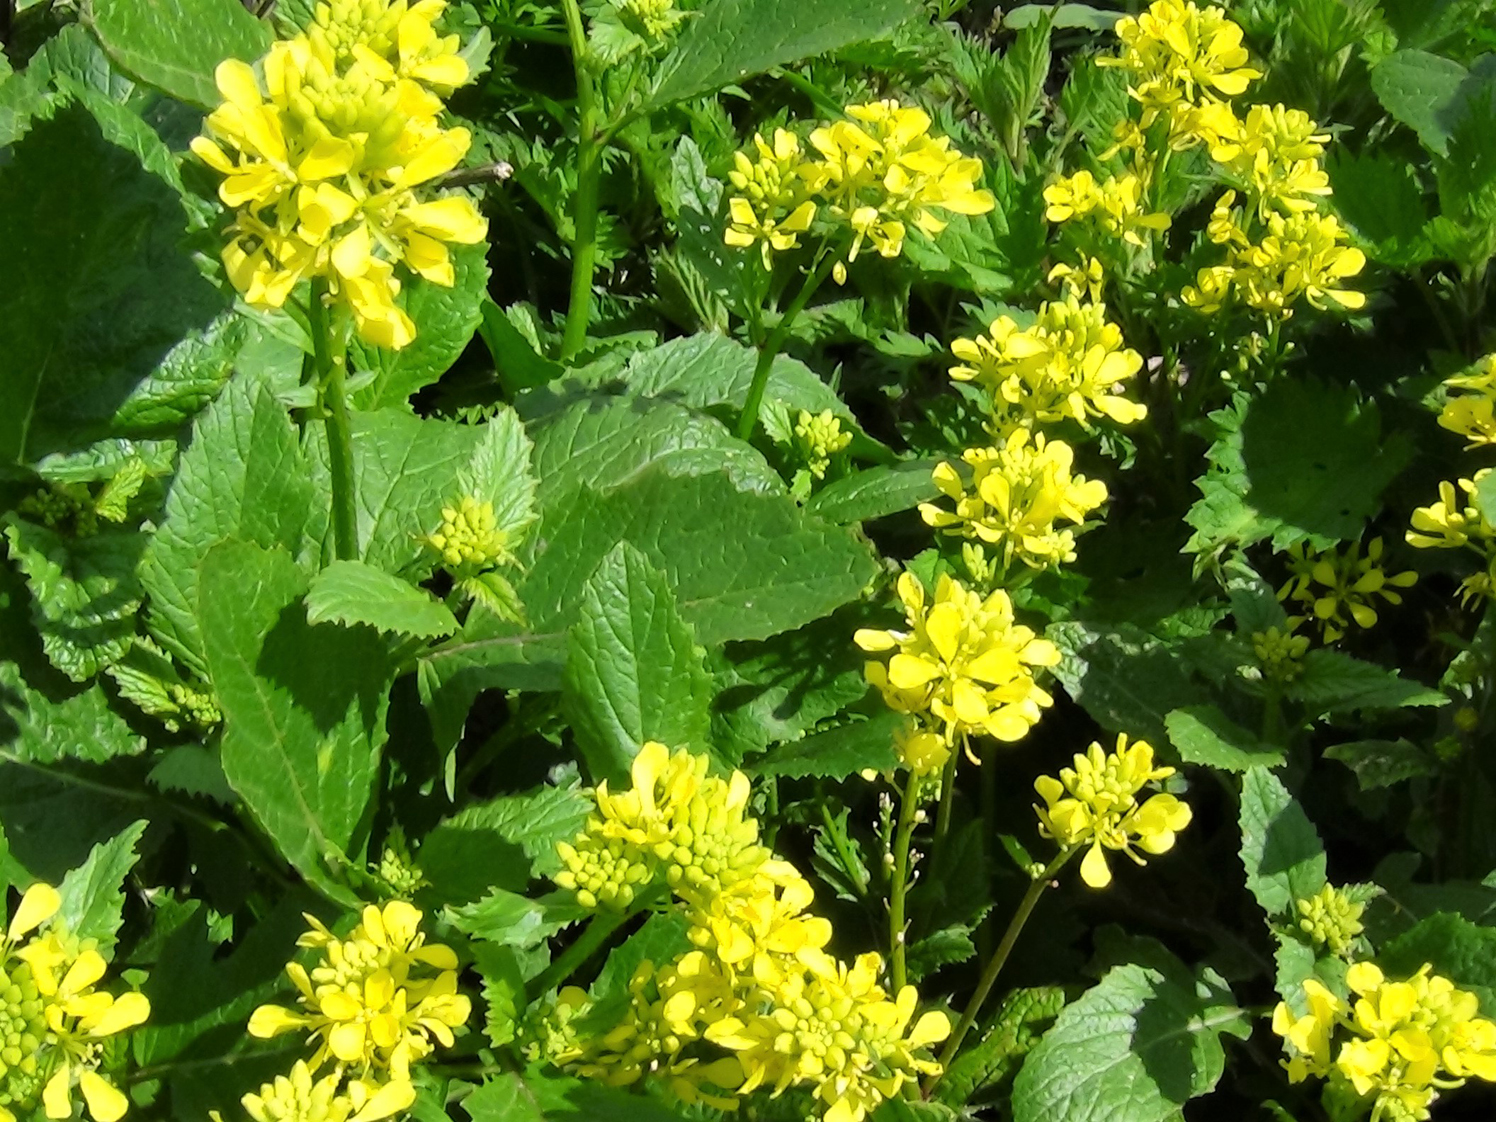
x,y
353,592
1280,848
175,45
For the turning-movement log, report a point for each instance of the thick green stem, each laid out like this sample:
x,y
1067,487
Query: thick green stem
x,y
996,963
770,350
903,836
328,354
599,929
589,179
947,794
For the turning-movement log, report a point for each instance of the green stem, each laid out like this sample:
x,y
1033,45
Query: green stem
x,y
770,350
897,893
947,794
589,179
997,961
328,355
599,929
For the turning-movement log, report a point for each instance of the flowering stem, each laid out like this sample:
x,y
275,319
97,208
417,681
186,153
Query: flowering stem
x,y
903,836
597,932
584,201
999,959
328,356
770,350
947,794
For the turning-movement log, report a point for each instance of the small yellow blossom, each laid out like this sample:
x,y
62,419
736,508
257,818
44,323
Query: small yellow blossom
x,y
1473,415
1454,521
1273,152
1339,587
1309,1036
964,661
376,1000
1096,803
1280,652
1114,204
775,205
1330,919
299,1098
819,437
1303,255
921,750
1018,494
1072,364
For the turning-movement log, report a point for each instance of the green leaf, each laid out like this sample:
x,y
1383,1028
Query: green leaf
x,y
1128,680
1205,735
175,45
1461,951
744,566
445,320
503,991
539,1097
836,753
633,670
36,729
1280,848
876,492
1380,198
1418,88
1332,682
988,1066
1065,15
730,40
509,919
303,706
103,289
519,365
489,653
353,592
1134,1048
93,897
243,478
1383,763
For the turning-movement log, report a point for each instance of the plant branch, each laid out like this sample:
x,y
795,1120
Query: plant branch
x,y
898,891
770,350
589,181
599,929
330,364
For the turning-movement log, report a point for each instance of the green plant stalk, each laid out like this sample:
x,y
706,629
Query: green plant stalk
x,y
589,180
330,363
599,929
770,350
856,875
997,962
898,891
948,793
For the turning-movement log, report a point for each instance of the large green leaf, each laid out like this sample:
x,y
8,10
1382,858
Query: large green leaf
x,y
97,290
303,705
1134,1048
837,753
729,40
1332,682
1128,680
1462,951
1205,735
175,45
243,478
876,492
989,1065
744,566
1280,848
353,592
36,729
489,653
93,897
633,670
1418,88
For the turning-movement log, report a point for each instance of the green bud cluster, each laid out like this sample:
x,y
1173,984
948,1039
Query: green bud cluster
x,y
469,537
655,17
603,871
1330,919
63,507
23,1030
401,875
819,437
325,104
199,708
1281,653
345,24
716,849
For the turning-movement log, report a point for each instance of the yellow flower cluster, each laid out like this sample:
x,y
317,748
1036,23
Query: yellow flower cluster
x,y
819,437
1401,1043
1340,587
875,174
324,153
964,667
1473,415
470,537
1017,494
758,1002
1331,919
53,1022
1116,205
373,1004
1096,804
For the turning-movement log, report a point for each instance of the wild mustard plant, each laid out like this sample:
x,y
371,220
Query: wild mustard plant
x,y
1340,587
1473,414
1331,919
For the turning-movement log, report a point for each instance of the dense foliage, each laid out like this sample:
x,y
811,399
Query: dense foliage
x,y
635,560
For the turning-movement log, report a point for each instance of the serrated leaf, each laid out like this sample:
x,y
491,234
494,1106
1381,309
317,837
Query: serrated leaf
x,y
93,897
1417,88
352,592
1383,763
511,920
990,1064
1136,1047
1461,951
836,753
503,991
732,39
1379,196
35,728
303,706
876,492
1332,682
633,670
1205,735
540,1097
1128,680
194,771
1280,848
175,45
489,653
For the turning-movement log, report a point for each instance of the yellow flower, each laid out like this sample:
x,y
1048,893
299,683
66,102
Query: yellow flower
x,y
760,926
921,750
1473,415
1096,803
1273,152
1454,521
1331,919
393,38
1072,364
1178,56
298,1098
375,1000
819,437
965,661
1308,1037
1340,587
1018,492
470,537
1115,205
775,205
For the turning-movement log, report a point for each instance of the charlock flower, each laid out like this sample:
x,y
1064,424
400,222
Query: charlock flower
x,y
470,537
1330,919
1018,494
774,205
819,437
300,1098
1273,152
1473,415
1280,652
1096,803
1114,204
394,38
964,660
1339,587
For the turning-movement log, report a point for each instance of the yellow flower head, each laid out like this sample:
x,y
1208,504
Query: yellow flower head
x,y
1454,521
1072,364
819,437
1302,256
470,537
922,750
964,661
376,1000
1340,587
1331,919
775,204
1280,652
1308,1038
1115,205
299,1098
1096,803
1273,152
1178,55
323,158
1473,415
1018,494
